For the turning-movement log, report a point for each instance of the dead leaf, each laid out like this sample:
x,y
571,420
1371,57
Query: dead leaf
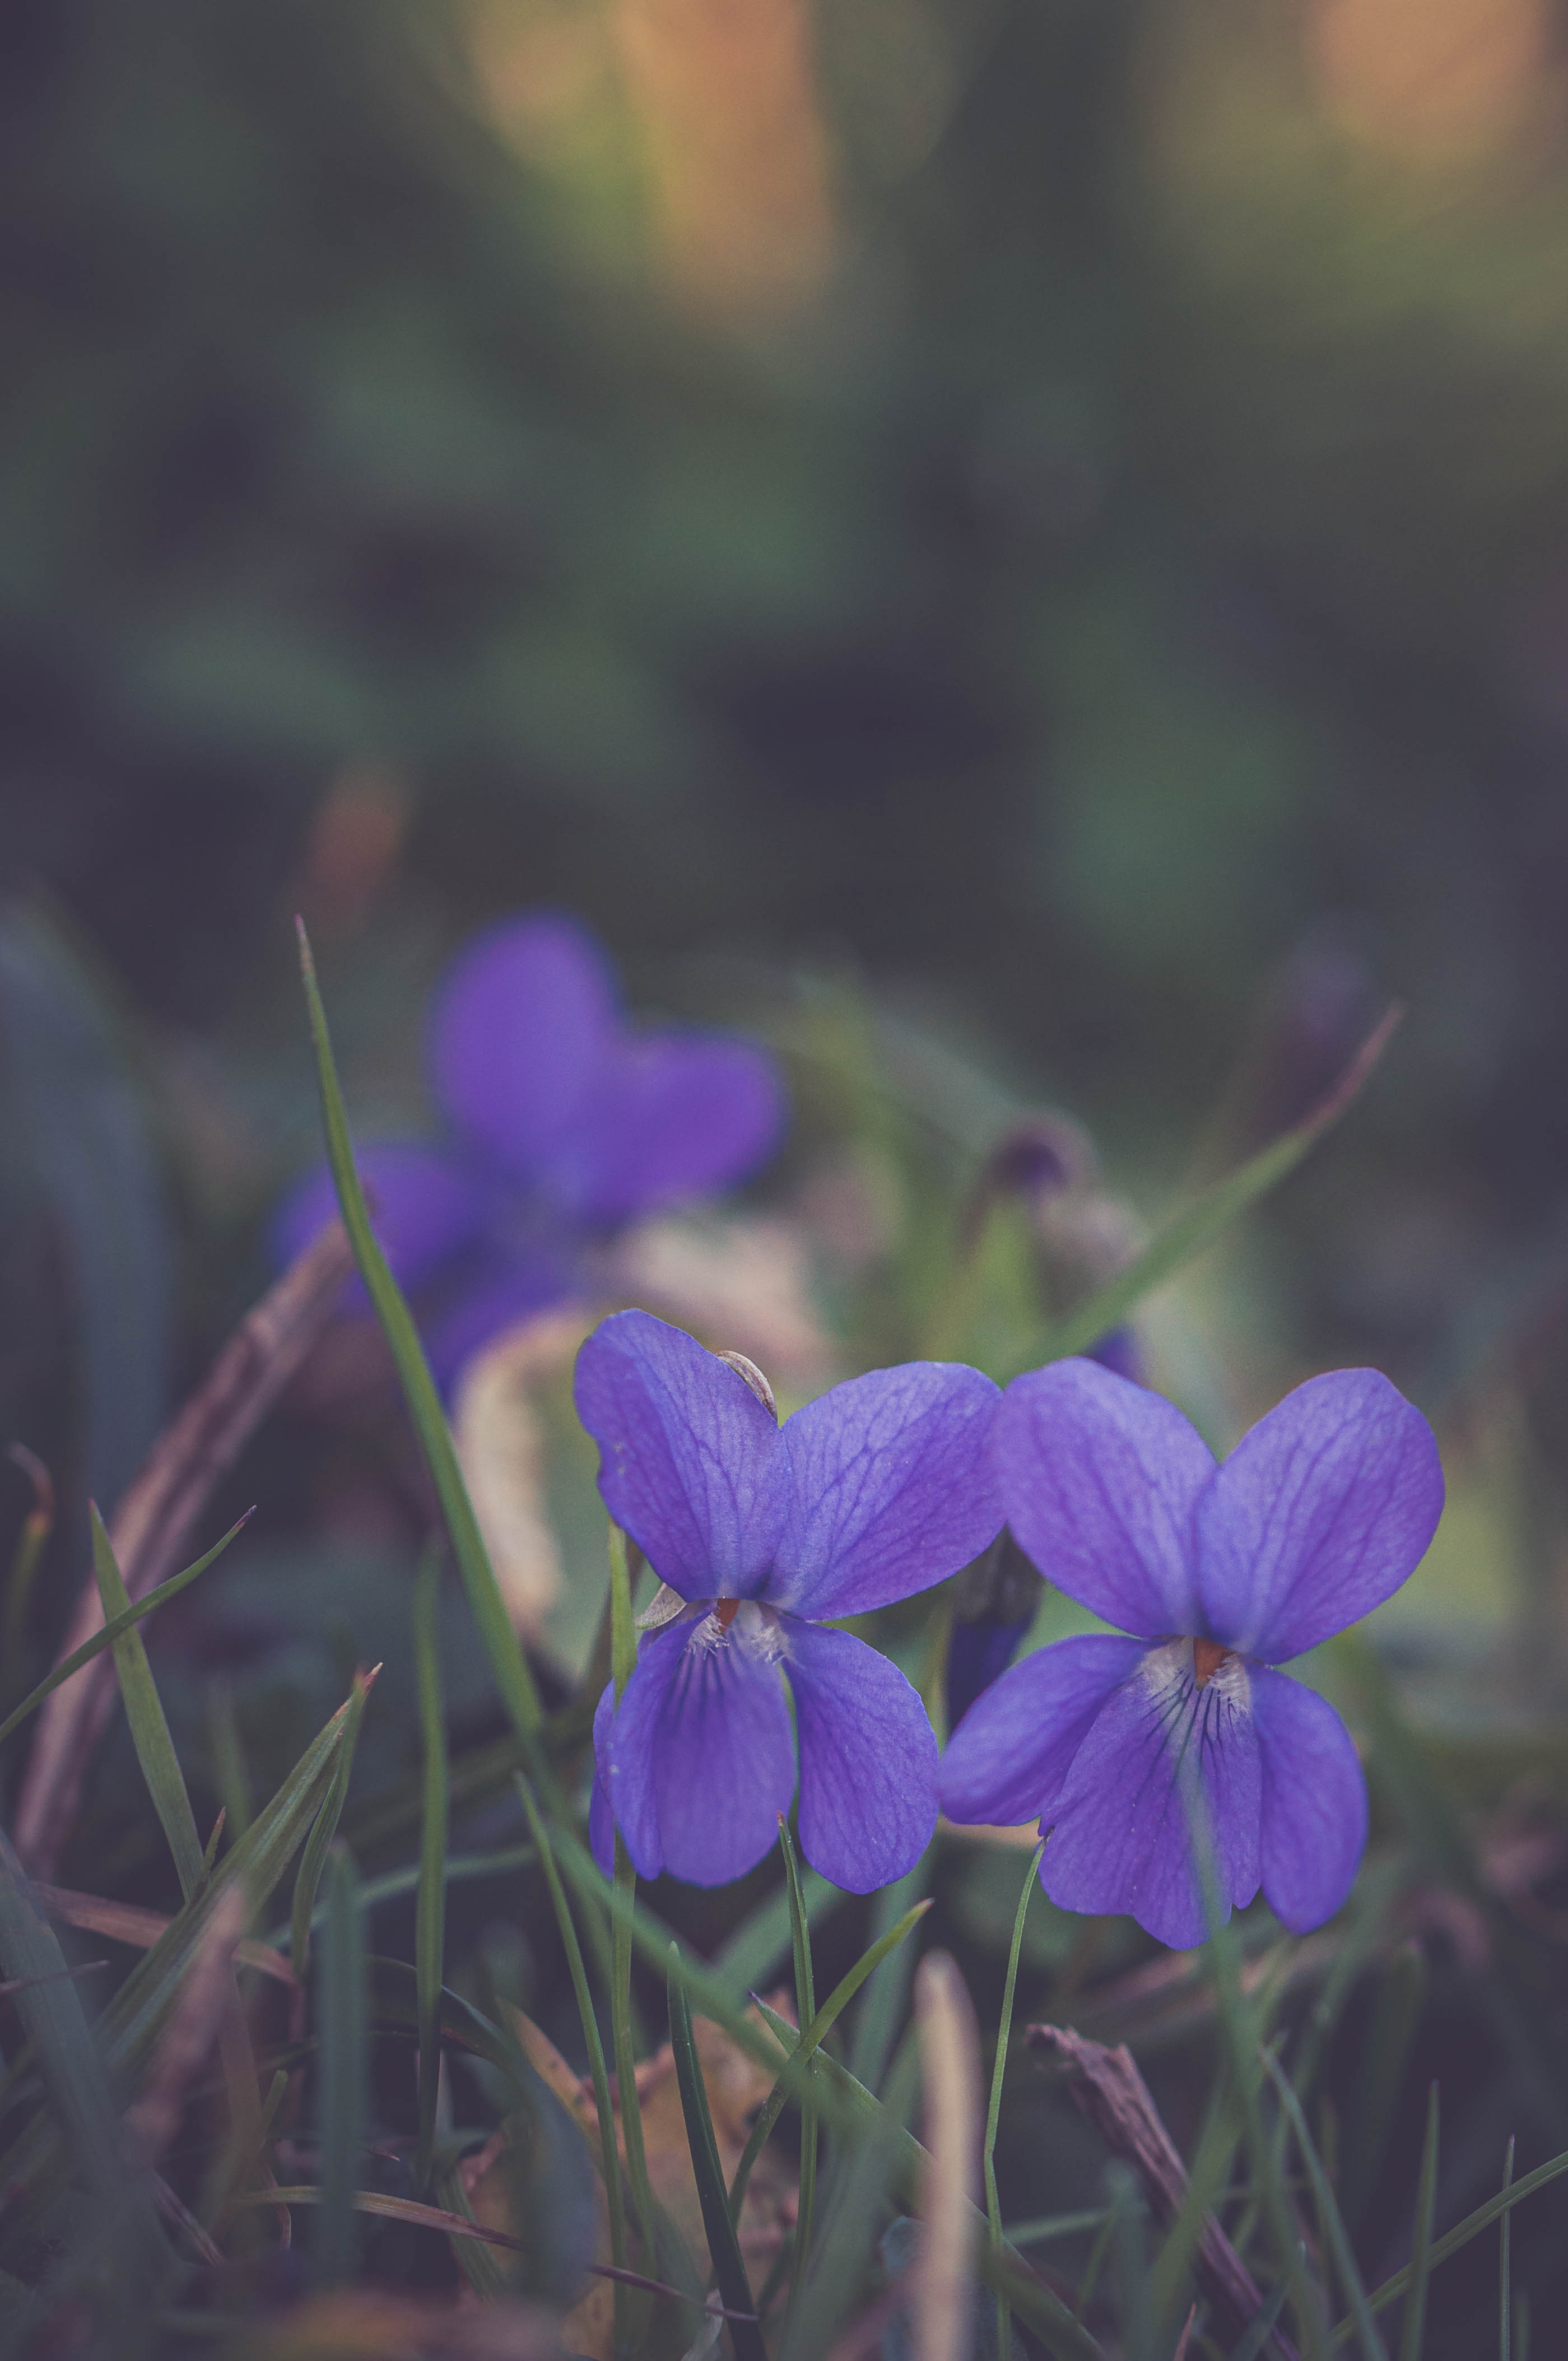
x,y
502,1448
746,1281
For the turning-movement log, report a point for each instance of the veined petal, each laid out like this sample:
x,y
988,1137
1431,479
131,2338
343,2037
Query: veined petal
x,y
1099,1480
1319,1514
868,1760
889,1488
692,1465
1160,1749
519,1028
701,1753
423,1207
1009,1757
669,1118
1314,1801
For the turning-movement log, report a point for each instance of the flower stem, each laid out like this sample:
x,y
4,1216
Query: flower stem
x,y
993,2112
623,1656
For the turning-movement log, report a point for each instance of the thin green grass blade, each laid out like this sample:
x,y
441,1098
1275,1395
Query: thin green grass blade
x,y
461,1868
609,2151
1129,2238
508,1663
1505,2267
26,1559
1349,2270
1055,2225
1262,2328
341,2071
838,2000
325,1828
1184,1238
805,2011
1211,2163
763,1941
993,2107
623,1657
1420,2250
887,1996
149,1724
724,2247
231,1772
1390,2034
1395,2286
114,1628
867,2178
430,1905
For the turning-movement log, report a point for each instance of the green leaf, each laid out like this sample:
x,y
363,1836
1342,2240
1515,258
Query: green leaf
x,y
144,1711
734,2289
324,1827
993,2109
342,2058
1420,2249
805,2011
1371,2345
887,1995
1186,1236
430,1907
113,1629
508,1663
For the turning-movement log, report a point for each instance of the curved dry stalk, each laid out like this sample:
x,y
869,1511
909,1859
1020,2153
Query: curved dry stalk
x,y
153,1522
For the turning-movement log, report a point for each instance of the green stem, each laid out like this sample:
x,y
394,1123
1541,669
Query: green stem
x,y
993,2112
623,1657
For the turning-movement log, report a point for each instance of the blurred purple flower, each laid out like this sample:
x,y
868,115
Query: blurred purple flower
x,y
875,1491
563,1126
1320,1513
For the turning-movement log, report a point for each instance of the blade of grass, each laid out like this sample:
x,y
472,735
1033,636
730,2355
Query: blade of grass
x,y
761,1941
149,1724
811,2040
1372,2344
1420,2249
1262,2328
623,1657
1186,1236
840,2100
993,2109
609,2148
508,1663
31,1542
877,2018
109,1632
324,1827
868,2175
429,1905
805,2011
389,2209
1395,2286
1505,2267
724,2247
341,2064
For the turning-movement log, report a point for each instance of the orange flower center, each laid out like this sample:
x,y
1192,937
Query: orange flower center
x,y
726,1609
1207,1657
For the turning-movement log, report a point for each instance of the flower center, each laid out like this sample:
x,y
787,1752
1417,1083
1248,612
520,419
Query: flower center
x,y
725,1611
1207,1655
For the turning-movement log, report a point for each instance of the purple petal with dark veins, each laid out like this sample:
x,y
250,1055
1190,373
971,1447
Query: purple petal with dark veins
x,y
868,1760
668,1118
692,1465
1159,1749
1009,1757
889,1488
1319,1514
701,1753
1314,1801
1099,1479
521,1028
425,1208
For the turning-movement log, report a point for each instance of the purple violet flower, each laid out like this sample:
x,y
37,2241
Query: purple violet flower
x,y
563,1126
761,1533
1220,1573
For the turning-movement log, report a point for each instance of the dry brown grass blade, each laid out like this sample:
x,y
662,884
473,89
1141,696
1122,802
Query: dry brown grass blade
x,y
373,2324
192,2030
942,2317
127,1922
1112,2095
151,1527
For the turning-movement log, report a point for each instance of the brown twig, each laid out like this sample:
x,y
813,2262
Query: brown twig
x,y
129,1923
152,1525
1112,2095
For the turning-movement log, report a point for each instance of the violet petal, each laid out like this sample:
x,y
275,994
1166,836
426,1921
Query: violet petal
x,y
1319,1514
1314,1801
519,1028
1159,1749
423,1208
1099,1479
691,1463
701,1753
668,1118
868,1760
1009,1757
889,1488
